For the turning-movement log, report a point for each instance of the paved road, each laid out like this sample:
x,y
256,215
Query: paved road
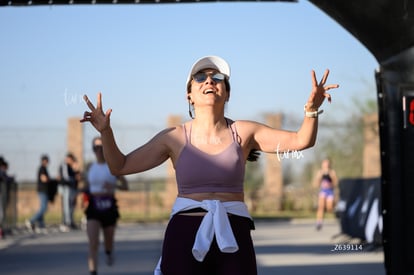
x,y
293,248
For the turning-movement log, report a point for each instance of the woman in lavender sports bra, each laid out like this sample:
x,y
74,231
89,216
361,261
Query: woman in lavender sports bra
x,y
326,180
209,228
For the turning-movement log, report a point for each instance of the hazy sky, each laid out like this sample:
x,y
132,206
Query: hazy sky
x,y
139,57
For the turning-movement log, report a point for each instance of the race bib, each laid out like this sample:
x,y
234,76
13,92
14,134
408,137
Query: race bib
x,y
103,203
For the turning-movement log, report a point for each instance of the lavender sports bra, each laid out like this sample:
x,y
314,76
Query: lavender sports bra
x,y
199,172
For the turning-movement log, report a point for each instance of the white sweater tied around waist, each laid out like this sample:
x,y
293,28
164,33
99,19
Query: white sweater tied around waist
x,y
215,223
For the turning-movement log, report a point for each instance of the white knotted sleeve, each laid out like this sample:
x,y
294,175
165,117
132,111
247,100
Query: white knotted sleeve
x,y
215,223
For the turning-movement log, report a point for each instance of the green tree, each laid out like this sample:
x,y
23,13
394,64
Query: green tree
x,y
343,143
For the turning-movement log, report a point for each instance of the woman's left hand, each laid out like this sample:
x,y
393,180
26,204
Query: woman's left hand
x,y
319,92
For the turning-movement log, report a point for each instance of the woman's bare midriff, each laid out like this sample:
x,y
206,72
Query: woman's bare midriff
x,y
214,196
223,197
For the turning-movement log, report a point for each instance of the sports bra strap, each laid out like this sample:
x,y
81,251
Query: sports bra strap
x,y
185,132
228,121
233,129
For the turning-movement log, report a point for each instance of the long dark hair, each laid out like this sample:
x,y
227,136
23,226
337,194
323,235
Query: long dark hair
x,y
254,155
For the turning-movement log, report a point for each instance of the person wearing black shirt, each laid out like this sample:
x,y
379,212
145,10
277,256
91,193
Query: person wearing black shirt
x,y
42,183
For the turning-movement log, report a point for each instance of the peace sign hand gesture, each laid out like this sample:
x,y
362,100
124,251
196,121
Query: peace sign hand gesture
x,y
99,119
319,92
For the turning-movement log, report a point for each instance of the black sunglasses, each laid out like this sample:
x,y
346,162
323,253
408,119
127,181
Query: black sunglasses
x,y
202,76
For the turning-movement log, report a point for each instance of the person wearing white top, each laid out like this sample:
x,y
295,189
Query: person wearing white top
x,y
102,210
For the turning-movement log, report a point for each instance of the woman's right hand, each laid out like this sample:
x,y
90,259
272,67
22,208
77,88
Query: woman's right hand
x,y
99,119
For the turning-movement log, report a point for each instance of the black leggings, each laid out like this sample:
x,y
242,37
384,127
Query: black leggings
x,y
177,258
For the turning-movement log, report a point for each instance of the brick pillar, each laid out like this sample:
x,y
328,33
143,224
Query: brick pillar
x,y
371,155
171,184
75,139
271,194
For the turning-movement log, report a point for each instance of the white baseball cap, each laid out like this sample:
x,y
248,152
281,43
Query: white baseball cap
x,y
209,62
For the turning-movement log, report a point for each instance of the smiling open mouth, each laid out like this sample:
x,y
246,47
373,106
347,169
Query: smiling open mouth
x,y
209,91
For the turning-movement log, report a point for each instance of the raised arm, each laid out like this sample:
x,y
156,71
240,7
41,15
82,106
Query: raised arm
x,y
306,136
270,140
148,156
